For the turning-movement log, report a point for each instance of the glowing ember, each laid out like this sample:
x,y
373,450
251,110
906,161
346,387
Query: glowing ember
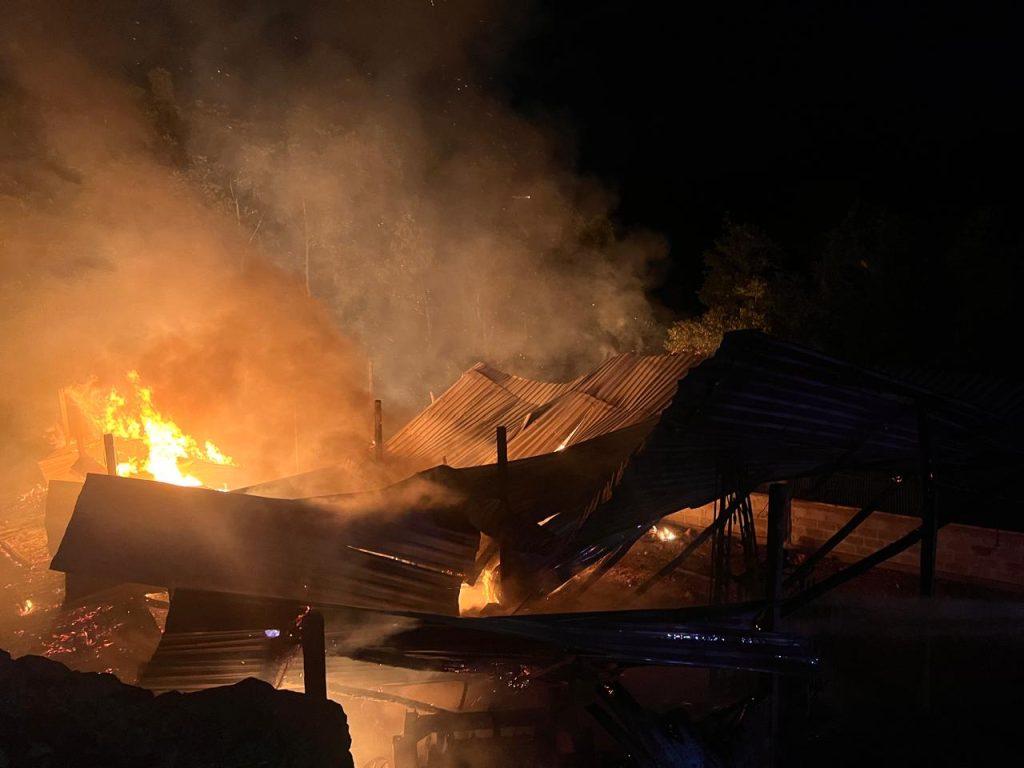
x,y
167,449
664,533
25,607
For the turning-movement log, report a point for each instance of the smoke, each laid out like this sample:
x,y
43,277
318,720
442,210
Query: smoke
x,y
173,180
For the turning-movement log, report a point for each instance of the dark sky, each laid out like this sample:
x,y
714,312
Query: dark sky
x,y
783,115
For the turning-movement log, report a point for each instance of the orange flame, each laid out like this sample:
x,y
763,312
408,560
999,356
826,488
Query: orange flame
x,y
167,450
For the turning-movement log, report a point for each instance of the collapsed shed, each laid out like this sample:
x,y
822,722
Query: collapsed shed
x,y
592,464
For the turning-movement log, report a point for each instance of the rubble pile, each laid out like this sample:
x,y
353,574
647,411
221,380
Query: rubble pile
x,y
51,715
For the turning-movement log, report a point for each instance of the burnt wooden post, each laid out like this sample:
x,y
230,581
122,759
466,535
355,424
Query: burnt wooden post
x,y
378,430
929,520
501,439
314,655
108,451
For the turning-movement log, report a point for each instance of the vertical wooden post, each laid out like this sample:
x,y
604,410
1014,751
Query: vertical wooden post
x,y
314,655
378,430
509,563
108,451
929,521
501,439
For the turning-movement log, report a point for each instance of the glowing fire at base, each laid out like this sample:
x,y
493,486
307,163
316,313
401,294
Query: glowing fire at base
x,y
133,416
486,591
664,533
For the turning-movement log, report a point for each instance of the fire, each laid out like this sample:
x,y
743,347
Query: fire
x,y
486,591
664,533
167,451
25,607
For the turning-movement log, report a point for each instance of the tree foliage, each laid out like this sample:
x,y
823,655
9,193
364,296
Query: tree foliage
x,y
883,289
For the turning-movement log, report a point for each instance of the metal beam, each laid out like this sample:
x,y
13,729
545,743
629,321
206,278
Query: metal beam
x,y
778,514
929,520
608,562
852,571
848,527
690,548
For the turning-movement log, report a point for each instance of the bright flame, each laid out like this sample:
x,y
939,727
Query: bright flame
x,y
167,447
25,607
486,591
664,533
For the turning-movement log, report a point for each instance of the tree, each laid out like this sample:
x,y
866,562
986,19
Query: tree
x,y
744,283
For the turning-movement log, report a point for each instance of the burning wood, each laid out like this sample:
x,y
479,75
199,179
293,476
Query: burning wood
x,y
157,447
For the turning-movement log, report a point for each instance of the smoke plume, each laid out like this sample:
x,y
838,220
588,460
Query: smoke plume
x,y
246,202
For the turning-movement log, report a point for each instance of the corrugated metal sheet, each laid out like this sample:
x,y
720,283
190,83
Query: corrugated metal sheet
x,y
1001,397
458,428
214,639
408,544
528,644
763,410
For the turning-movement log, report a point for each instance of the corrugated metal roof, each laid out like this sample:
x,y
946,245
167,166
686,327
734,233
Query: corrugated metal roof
x,y
403,545
693,637
999,396
763,410
540,417
214,639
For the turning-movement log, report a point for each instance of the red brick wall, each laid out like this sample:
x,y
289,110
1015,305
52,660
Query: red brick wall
x,y
964,552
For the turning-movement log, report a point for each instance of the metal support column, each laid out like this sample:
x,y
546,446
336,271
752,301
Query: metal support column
x,y
929,520
778,523
314,655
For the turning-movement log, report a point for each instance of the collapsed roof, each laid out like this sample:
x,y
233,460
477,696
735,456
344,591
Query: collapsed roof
x,y
540,417
595,463
407,547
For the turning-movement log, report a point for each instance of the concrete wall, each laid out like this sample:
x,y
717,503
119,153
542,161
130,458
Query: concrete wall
x,y
964,552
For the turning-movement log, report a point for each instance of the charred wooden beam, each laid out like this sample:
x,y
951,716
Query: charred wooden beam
x,y
501,452
110,454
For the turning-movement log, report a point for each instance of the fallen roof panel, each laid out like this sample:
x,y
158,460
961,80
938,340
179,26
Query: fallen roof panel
x,y
540,417
396,547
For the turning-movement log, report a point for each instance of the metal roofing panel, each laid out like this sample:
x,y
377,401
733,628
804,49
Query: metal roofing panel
x,y
539,417
764,410
399,545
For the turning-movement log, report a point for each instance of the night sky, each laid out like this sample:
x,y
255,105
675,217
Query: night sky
x,y
780,116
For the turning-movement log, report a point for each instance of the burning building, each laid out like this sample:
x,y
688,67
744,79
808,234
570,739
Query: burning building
x,y
613,521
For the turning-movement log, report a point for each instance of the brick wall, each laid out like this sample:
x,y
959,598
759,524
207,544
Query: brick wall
x,y
964,552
